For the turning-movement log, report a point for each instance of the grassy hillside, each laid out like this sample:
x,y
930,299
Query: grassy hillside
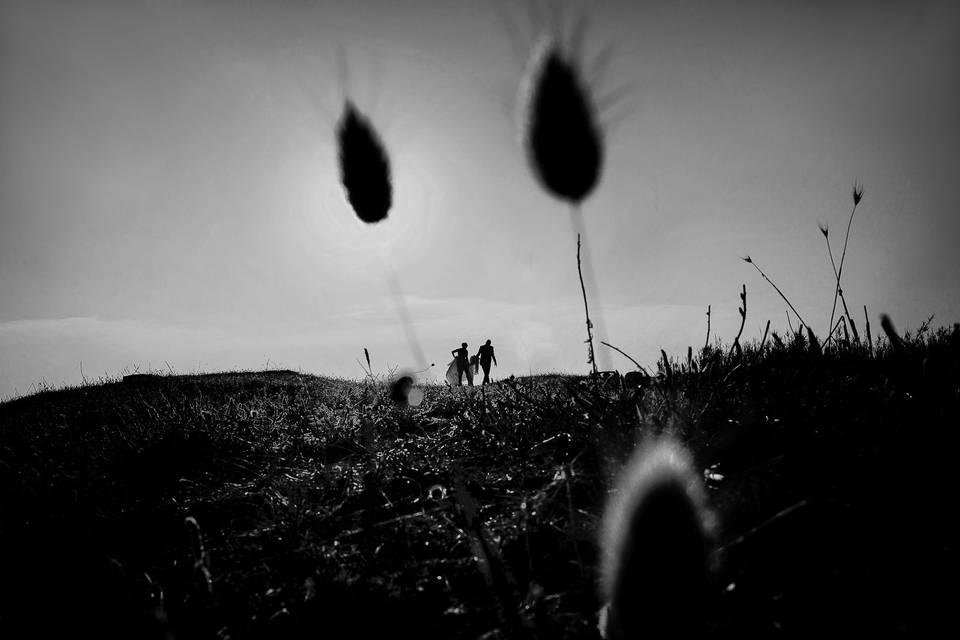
x,y
324,509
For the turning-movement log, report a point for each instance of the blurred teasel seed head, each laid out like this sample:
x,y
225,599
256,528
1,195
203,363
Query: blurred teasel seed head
x,y
562,137
404,392
364,166
656,541
857,192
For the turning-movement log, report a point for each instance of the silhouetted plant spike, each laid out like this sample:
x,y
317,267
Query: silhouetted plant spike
x,y
403,388
400,389
825,230
763,340
857,196
365,174
563,139
924,326
656,540
366,369
743,321
667,370
564,142
853,324
706,342
812,338
364,166
895,340
777,341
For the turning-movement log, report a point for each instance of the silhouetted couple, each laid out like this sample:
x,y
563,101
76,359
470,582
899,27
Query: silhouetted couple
x,y
466,364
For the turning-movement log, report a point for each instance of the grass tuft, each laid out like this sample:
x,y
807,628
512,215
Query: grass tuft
x,y
323,500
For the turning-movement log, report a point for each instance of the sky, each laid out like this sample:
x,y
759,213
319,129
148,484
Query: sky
x,y
170,197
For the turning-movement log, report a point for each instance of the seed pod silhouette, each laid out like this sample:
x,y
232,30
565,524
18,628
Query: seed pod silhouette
x,y
400,388
563,139
857,192
364,166
656,541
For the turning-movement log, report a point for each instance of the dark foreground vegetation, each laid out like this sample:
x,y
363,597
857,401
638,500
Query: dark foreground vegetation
x,y
322,509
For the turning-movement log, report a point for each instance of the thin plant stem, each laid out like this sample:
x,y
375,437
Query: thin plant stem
x,y
833,264
755,266
586,310
627,356
834,330
399,300
766,523
585,270
843,256
743,321
836,274
763,340
706,342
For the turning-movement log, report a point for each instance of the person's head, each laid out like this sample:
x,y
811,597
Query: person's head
x,y
464,345
488,343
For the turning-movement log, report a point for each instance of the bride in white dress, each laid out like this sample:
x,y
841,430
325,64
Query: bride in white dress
x,y
453,377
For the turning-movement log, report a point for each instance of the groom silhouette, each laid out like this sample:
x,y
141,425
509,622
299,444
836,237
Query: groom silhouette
x,y
486,354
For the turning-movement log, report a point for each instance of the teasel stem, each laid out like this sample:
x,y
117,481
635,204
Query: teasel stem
x,y
706,342
587,266
400,302
591,354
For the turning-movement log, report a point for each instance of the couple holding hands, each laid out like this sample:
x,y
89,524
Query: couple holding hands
x,y
463,363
